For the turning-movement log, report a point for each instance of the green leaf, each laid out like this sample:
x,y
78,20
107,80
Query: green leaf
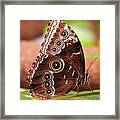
x,y
84,95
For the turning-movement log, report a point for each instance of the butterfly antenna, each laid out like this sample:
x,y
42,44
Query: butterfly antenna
x,y
89,85
77,88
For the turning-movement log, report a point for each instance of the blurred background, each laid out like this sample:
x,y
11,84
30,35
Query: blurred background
x,y
87,30
31,37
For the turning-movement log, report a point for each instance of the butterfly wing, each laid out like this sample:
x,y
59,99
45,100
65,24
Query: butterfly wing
x,y
60,64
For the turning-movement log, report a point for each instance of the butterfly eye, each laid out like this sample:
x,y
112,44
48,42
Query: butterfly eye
x,y
64,33
56,65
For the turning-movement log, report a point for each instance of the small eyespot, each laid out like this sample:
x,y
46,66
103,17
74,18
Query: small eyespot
x,y
47,84
54,49
58,43
47,76
49,91
64,33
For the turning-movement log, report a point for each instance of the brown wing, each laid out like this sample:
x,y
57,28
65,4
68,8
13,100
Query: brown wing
x,y
60,65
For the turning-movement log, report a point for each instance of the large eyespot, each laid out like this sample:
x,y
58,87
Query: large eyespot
x,y
47,76
50,91
56,65
64,33
60,43
54,50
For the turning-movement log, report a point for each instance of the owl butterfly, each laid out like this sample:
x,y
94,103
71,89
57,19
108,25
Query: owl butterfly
x,y
60,66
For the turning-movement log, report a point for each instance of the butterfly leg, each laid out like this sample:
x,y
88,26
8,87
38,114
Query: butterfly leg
x,y
77,85
86,80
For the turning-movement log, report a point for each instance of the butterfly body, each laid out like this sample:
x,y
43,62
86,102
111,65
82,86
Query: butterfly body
x,y
60,66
